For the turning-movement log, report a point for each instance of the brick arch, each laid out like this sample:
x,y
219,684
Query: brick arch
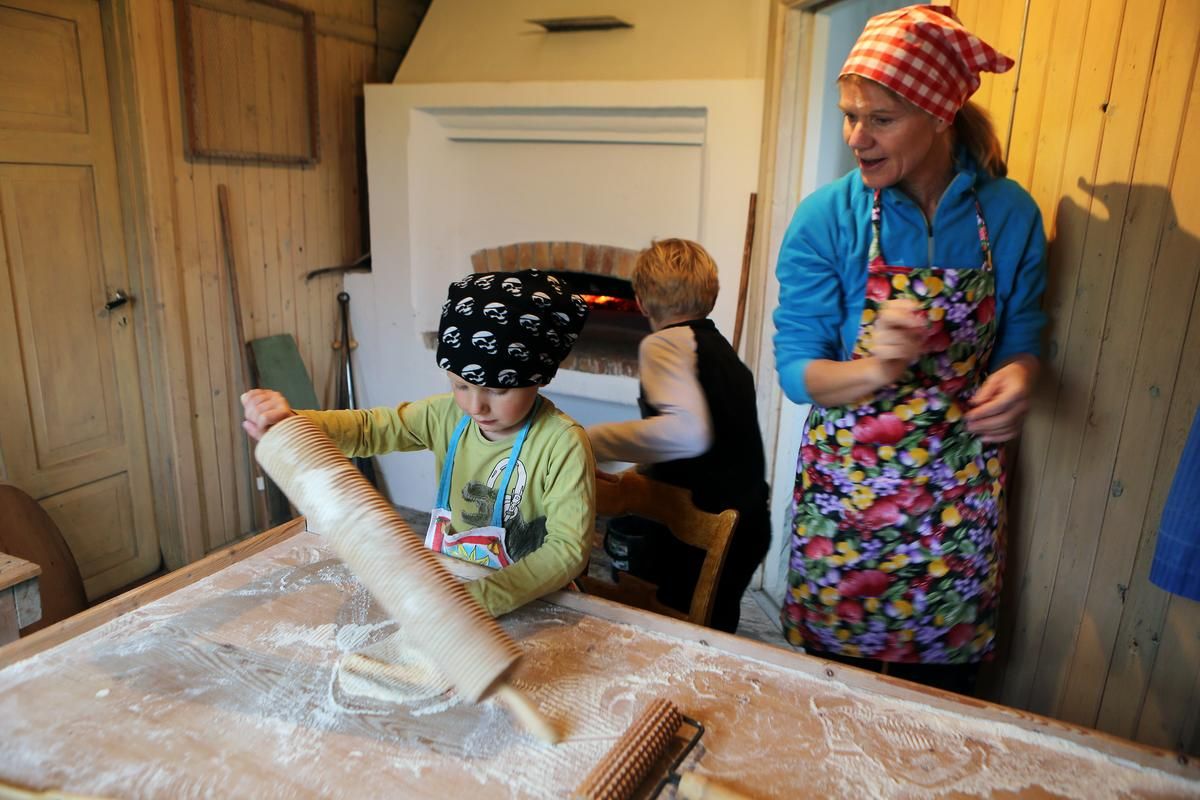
x,y
597,259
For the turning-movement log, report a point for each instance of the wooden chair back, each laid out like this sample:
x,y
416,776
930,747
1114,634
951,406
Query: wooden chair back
x,y
28,532
633,493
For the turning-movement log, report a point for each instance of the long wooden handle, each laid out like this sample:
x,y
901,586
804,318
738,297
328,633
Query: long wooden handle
x,y
693,786
259,512
527,713
743,284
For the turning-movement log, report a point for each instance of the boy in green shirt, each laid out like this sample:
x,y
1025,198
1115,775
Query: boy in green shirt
x,y
502,336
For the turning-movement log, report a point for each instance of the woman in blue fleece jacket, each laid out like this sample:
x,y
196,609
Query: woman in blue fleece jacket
x,y
909,318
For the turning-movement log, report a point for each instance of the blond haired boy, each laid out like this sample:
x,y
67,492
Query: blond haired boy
x,y
699,426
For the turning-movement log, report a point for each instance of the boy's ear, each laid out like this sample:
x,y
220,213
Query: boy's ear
x,y
645,313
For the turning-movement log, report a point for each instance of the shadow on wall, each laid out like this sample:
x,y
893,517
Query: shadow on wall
x,y
1117,370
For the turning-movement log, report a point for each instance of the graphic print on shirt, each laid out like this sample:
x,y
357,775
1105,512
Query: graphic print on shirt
x,y
517,492
522,537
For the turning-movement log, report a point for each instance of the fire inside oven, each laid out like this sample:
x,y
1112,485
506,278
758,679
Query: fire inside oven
x,y
613,308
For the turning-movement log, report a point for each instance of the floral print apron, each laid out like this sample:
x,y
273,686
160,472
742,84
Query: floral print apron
x,y
898,532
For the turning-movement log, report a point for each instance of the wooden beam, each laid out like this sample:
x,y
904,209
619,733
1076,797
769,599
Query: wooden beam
x,y
264,12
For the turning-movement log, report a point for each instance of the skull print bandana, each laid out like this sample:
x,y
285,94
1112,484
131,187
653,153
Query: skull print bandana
x,y
508,329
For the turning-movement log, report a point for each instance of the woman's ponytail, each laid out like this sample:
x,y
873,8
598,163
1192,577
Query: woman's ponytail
x,y
974,130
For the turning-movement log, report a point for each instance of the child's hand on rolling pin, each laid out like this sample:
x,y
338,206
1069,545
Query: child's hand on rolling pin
x,y
263,407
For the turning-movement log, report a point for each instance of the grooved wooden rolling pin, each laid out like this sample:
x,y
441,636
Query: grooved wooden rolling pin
x,y
618,775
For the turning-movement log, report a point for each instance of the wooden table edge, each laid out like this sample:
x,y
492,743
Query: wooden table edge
x,y
18,571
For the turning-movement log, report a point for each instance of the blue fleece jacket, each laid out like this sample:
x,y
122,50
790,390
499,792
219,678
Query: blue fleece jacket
x,y
822,267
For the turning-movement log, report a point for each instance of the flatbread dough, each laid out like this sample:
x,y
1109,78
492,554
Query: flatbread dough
x,y
391,671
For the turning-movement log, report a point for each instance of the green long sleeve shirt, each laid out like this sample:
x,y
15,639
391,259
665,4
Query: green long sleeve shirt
x,y
548,535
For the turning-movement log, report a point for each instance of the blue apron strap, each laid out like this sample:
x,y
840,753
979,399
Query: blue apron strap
x,y
443,493
502,488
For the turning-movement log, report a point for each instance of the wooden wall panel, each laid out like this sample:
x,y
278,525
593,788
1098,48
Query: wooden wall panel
x,y
286,220
1104,134
1070,506
1151,296
225,44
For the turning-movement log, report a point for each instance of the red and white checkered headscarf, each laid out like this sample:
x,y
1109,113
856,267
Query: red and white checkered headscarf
x,y
925,55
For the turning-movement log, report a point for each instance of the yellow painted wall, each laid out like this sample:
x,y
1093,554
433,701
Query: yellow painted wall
x,y
1103,124
490,40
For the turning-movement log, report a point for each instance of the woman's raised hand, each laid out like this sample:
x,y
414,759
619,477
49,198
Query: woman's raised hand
x,y
263,408
898,337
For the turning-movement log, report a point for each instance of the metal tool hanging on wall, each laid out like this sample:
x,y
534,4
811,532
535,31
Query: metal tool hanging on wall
x,y
347,397
360,264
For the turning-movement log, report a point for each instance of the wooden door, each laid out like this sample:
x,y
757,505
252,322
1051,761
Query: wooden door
x,y
71,416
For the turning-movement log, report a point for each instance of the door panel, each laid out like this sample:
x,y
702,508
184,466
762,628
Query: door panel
x,y
67,357
71,416
101,508
41,83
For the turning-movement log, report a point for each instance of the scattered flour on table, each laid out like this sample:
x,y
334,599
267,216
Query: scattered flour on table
x,y
243,706
325,635
353,636
939,752
285,634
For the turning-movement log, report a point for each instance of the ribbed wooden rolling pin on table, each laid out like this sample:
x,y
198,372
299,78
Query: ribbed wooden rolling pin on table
x,y
628,764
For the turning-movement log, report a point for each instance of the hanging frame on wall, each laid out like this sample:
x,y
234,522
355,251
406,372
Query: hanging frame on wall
x,y
248,69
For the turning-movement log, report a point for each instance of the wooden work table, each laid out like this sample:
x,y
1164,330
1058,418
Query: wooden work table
x,y
218,681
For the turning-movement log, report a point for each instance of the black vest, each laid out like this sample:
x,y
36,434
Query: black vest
x,y
731,473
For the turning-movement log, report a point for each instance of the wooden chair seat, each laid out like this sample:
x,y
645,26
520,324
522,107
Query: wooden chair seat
x,y
28,532
633,493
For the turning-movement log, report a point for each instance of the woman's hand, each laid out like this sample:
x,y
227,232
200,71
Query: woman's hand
x,y
998,407
898,337
263,408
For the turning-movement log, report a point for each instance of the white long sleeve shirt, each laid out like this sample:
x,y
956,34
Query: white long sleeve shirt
x,y
683,427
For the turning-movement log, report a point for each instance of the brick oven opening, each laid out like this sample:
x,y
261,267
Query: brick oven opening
x,y
610,299
609,341
615,326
